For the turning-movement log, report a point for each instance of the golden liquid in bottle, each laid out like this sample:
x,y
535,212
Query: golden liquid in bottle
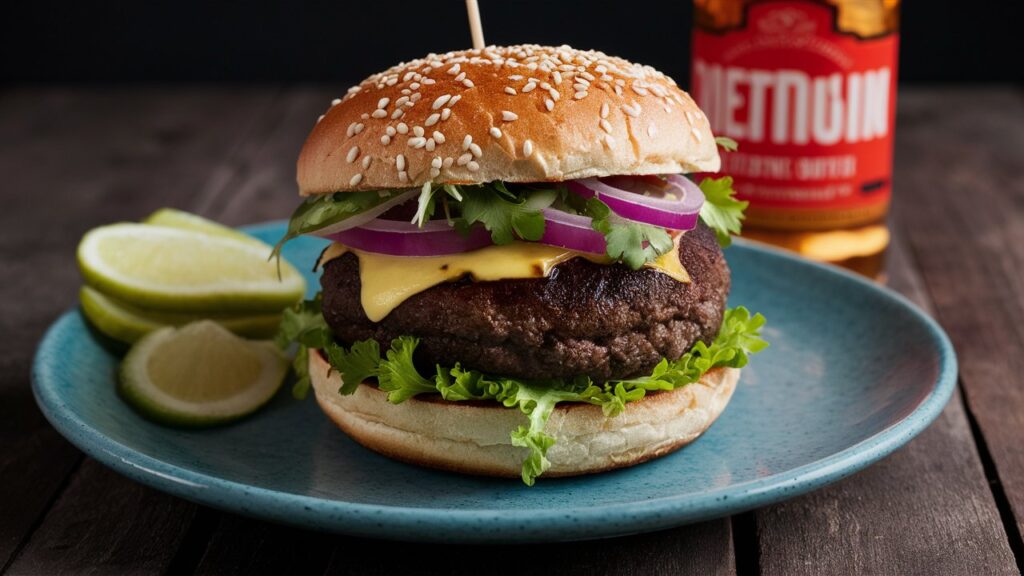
x,y
854,238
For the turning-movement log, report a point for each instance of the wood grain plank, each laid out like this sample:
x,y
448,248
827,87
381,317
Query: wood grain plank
x,y
704,549
970,246
926,509
73,160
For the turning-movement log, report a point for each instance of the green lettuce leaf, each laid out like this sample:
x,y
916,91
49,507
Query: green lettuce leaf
x,y
397,374
303,324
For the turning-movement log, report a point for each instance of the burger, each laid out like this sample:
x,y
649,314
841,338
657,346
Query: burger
x,y
524,275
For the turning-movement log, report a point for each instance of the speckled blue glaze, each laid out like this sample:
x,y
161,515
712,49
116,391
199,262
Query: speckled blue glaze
x,y
853,373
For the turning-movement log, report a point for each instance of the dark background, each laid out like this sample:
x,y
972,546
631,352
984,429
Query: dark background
x,y
943,41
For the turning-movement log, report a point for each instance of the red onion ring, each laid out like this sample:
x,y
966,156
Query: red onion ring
x,y
571,231
630,198
434,238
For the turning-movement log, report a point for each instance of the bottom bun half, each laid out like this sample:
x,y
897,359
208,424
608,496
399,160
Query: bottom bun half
x,y
473,437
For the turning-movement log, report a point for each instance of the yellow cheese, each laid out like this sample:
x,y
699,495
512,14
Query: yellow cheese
x,y
387,281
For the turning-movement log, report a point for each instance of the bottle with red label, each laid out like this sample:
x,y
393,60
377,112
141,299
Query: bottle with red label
x,y
808,90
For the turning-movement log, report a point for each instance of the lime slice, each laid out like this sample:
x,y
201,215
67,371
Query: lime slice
x,y
127,323
200,374
168,269
182,220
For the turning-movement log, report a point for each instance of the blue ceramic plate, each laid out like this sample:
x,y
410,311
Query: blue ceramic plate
x,y
853,372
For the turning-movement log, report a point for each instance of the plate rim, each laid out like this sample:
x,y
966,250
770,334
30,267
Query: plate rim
x,y
431,524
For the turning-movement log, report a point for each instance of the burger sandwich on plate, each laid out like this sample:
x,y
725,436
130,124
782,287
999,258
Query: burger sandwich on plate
x,y
522,279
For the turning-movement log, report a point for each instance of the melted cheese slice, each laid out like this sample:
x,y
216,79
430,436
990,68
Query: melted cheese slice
x,y
387,281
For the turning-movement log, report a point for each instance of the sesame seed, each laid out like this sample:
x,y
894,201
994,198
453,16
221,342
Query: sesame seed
x,y
355,180
353,153
696,134
618,90
473,166
515,78
379,113
398,113
454,99
606,126
401,101
581,87
415,97
640,90
436,162
651,130
529,87
390,130
441,101
554,94
609,140
439,137
467,141
468,83
431,144
604,110
403,176
359,128
402,128
509,116
383,102
392,81
495,131
475,149
454,70
448,162
435,172
428,81
400,162
320,118
510,90
461,76
364,116
631,111
445,114
549,104
366,161
528,148
545,86
417,142
464,159
415,85
336,101
580,95
432,119
557,76
417,130
351,130
385,140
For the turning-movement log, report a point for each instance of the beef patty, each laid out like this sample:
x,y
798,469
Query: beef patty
x,y
606,322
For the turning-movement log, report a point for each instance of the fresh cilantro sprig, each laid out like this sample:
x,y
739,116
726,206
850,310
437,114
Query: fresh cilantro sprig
x,y
396,373
323,210
631,243
721,211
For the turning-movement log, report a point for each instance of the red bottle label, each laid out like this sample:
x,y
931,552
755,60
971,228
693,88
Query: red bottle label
x,y
812,109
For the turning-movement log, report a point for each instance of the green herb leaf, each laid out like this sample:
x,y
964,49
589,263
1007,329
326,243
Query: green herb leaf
x,y
505,218
303,324
721,211
323,210
632,243
726,143
356,364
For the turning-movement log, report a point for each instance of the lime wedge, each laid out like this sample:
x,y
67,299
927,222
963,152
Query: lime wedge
x,y
126,323
200,374
182,220
168,269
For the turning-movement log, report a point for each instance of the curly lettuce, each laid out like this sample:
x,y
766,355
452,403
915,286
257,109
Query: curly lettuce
x,y
397,374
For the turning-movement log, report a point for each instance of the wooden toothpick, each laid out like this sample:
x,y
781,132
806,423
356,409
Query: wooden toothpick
x,y
475,28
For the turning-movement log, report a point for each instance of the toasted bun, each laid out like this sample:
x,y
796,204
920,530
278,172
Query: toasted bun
x,y
473,437
532,113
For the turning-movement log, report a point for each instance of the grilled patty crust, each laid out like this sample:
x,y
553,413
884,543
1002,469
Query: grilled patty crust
x,y
603,321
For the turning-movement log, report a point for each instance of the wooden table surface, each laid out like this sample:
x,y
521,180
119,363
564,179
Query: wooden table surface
x,y
951,502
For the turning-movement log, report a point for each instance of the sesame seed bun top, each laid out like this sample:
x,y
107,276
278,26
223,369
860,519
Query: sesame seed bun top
x,y
515,113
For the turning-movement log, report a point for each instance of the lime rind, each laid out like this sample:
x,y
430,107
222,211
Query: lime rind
x,y
173,218
127,323
178,257
136,384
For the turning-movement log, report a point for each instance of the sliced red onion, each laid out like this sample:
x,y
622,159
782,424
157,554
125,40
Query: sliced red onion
x,y
368,215
571,231
673,203
435,238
